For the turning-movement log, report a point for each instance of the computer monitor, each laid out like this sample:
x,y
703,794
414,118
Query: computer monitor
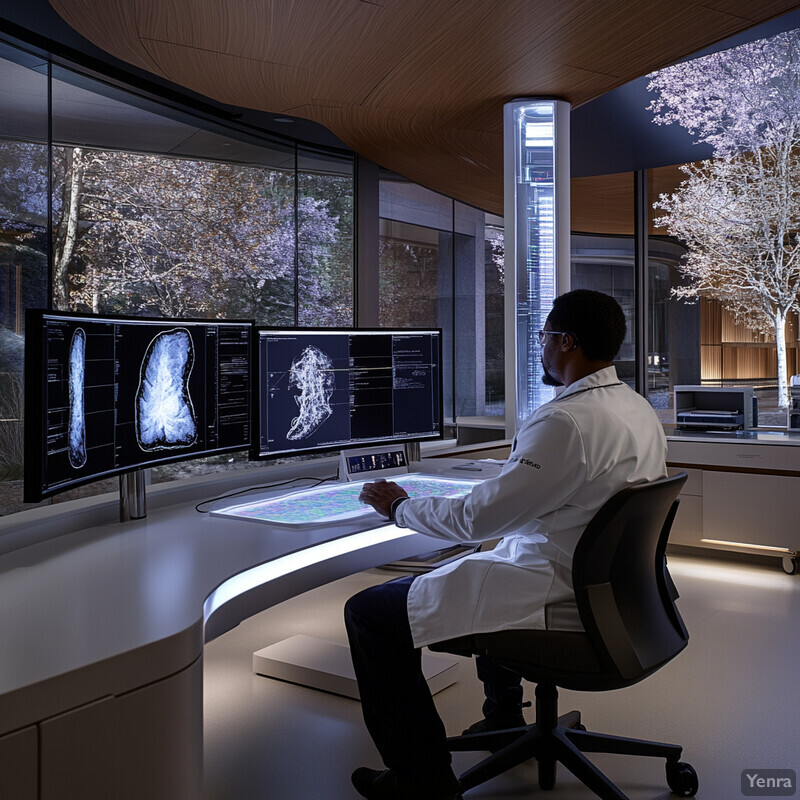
x,y
323,389
106,395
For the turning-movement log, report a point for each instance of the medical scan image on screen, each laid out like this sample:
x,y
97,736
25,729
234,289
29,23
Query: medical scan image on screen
x,y
114,394
312,374
323,389
165,415
76,435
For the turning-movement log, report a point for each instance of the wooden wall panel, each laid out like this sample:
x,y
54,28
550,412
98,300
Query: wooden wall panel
x,y
734,352
710,322
710,362
603,204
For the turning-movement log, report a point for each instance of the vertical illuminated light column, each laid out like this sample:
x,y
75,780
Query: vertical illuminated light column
x,y
537,248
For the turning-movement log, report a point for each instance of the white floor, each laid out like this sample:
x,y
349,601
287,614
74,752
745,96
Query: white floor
x,y
730,699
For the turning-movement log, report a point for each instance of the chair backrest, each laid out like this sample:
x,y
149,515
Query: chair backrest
x,y
625,595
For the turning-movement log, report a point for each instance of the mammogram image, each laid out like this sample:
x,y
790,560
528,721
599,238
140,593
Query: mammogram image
x,y
76,431
165,416
312,373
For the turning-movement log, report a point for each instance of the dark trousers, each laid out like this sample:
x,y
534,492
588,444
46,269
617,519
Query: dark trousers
x,y
396,702
503,691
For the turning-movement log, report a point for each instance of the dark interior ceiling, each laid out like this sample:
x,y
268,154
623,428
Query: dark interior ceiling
x,y
415,85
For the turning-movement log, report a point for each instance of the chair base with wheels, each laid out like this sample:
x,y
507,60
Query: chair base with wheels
x,y
553,739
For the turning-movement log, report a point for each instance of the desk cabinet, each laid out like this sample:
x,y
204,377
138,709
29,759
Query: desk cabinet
x,y
739,496
144,744
19,757
78,752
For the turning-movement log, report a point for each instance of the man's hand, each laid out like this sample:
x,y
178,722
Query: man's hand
x,y
380,495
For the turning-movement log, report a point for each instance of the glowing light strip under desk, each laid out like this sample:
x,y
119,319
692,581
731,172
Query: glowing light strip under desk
x,y
293,562
768,548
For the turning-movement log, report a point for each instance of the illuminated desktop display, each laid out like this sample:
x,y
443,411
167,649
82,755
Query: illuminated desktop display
x,y
320,389
107,395
537,238
337,503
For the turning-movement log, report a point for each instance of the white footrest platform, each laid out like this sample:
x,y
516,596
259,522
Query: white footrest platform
x,y
322,664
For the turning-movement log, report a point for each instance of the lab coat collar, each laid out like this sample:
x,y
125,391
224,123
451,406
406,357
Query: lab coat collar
x,y
603,377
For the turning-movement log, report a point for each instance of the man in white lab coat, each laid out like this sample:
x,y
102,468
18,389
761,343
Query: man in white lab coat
x,y
569,457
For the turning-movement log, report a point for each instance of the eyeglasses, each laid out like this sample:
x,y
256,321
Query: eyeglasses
x,y
542,334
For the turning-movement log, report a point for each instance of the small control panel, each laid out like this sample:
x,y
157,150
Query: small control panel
x,y
372,463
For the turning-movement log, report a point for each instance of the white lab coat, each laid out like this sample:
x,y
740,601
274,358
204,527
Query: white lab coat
x,y
568,458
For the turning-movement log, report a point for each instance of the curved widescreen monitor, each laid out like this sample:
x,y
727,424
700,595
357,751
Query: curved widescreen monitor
x,y
321,389
108,394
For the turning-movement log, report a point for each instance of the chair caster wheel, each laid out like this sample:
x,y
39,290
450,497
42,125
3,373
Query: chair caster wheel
x,y
790,565
682,779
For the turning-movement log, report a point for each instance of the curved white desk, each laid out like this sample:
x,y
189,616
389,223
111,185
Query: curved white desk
x,y
102,633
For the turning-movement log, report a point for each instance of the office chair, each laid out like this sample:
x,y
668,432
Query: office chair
x,y
626,601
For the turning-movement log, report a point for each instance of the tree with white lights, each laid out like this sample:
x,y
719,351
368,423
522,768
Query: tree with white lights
x,y
739,213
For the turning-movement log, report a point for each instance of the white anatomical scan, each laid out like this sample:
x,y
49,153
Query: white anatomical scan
x,y
312,373
165,416
76,431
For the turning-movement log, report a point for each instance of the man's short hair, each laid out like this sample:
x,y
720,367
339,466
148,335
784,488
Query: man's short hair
x,y
596,320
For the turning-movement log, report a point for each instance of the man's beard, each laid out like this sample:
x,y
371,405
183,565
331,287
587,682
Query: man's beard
x,y
548,379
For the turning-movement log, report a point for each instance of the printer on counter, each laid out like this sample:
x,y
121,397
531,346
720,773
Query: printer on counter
x,y
715,408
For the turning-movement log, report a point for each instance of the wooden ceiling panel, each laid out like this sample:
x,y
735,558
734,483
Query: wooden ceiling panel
x,y
285,36
84,17
635,38
416,85
230,79
279,32
478,46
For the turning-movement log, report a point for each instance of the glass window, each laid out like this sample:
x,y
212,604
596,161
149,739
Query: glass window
x,y
469,309
153,214
494,316
737,214
415,266
139,233
166,228
23,244
700,343
673,351
603,250
441,264
325,238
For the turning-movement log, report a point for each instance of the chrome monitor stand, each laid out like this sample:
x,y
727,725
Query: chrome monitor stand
x,y
132,496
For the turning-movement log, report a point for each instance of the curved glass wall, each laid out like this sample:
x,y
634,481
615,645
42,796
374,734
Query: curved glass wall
x,y
109,203
24,243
